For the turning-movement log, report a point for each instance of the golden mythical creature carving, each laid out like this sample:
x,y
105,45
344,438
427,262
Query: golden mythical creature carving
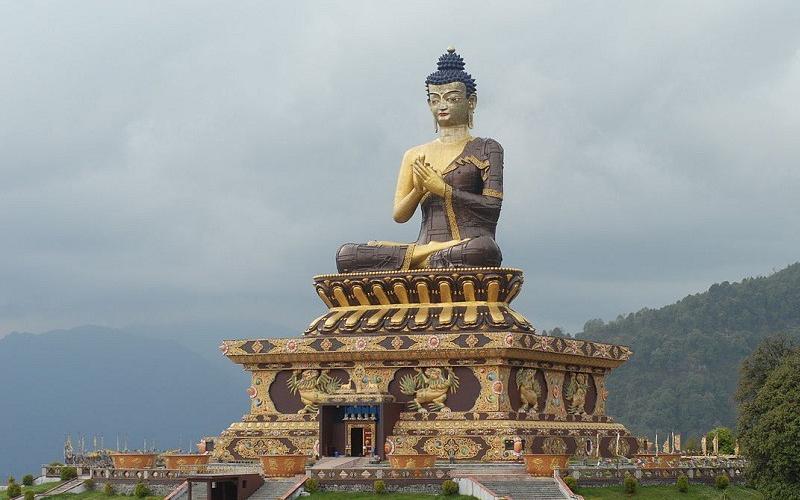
x,y
313,387
429,387
529,389
576,394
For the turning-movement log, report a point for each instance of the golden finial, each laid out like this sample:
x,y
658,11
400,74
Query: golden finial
x,y
451,49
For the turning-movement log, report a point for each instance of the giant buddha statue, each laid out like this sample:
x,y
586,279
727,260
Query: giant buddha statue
x,y
456,180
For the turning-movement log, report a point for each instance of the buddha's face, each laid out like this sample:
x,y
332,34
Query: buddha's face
x,y
450,105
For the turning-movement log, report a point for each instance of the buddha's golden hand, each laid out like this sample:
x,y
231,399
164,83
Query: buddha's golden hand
x,y
430,179
417,181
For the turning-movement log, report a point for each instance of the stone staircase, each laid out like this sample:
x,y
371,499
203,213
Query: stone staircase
x,y
68,487
199,491
276,488
518,487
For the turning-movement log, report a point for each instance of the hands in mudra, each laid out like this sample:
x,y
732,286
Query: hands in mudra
x,y
427,179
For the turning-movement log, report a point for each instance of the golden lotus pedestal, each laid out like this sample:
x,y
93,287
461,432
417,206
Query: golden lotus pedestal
x,y
283,465
543,465
424,362
133,460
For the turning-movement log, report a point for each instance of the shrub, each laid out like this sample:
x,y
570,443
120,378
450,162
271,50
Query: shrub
x,y
682,483
449,487
722,482
571,483
14,490
311,485
379,487
89,484
726,440
68,473
141,490
27,480
11,480
630,483
29,495
108,490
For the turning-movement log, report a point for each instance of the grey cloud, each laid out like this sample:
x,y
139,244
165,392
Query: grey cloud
x,y
167,161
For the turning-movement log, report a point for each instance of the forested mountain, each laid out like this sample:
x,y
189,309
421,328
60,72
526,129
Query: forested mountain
x,y
683,374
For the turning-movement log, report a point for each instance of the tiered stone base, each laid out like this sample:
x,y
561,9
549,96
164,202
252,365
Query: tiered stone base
x,y
440,363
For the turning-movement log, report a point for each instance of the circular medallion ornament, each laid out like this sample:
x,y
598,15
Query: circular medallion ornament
x,y
291,346
251,391
509,340
361,344
224,348
497,387
433,341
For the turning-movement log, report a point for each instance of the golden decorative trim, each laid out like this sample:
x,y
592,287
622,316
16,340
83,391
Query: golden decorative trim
x,y
482,165
451,213
420,271
471,303
407,257
493,193
453,426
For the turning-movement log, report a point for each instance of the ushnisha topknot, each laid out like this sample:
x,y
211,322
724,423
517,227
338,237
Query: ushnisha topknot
x,y
450,68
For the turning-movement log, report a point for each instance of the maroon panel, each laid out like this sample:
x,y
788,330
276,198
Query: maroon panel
x,y
394,385
284,401
469,388
513,390
543,385
340,374
591,396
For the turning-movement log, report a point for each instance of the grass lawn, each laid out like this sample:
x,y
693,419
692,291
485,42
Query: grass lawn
x,y
36,488
696,491
346,495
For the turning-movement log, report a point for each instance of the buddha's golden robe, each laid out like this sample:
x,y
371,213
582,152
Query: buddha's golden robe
x,y
458,229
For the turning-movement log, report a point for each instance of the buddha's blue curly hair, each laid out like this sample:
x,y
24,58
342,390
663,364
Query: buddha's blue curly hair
x,y
450,68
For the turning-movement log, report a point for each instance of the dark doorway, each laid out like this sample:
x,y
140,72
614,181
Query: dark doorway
x,y
357,442
223,490
332,438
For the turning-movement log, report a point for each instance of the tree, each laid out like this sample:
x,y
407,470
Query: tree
x,y
141,490
14,490
771,439
27,480
726,440
68,473
754,372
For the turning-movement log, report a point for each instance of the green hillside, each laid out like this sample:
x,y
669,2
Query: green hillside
x,y
685,367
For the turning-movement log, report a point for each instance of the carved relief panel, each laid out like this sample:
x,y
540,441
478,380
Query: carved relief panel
x,y
555,402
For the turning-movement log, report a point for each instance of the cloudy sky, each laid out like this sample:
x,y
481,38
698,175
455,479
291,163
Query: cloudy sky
x,y
166,162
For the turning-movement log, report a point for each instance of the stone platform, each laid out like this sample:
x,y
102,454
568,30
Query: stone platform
x,y
428,361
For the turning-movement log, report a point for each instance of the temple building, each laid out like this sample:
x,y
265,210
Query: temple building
x,y
419,351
